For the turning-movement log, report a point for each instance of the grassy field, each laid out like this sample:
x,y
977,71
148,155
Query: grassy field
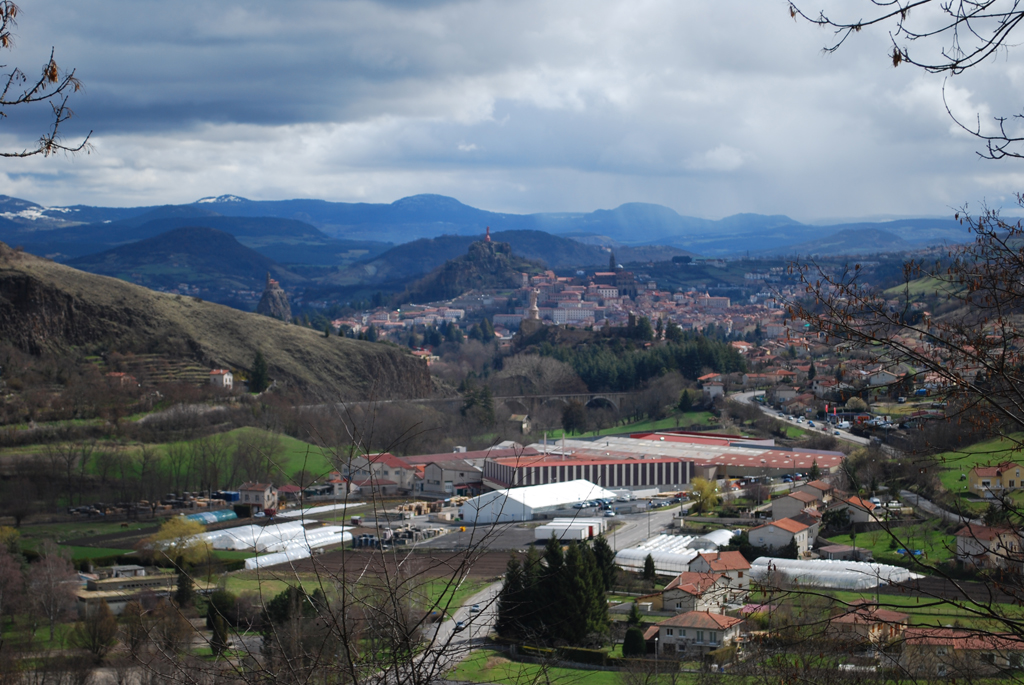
x,y
489,666
963,460
923,611
936,545
436,592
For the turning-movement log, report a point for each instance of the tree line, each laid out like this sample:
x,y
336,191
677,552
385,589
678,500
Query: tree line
x,y
620,366
558,598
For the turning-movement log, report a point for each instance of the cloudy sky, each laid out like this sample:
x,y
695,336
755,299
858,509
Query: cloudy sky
x,y
711,108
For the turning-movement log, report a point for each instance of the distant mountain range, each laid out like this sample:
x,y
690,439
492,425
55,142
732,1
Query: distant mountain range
x,y
202,257
431,216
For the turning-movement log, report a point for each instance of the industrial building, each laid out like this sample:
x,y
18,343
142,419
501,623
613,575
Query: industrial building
x,y
527,503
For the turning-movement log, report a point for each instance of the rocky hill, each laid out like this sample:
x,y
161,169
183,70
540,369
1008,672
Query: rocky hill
x,y
487,265
48,306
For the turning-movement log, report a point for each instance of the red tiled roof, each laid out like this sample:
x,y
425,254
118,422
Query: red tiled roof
x,y
788,525
819,485
977,532
725,561
803,496
702,620
962,639
289,489
863,611
388,460
990,471
858,502
694,583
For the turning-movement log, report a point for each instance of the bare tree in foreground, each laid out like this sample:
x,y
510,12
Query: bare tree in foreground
x,y
53,86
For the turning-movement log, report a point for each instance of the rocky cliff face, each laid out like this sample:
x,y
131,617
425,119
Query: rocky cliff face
x,y
485,265
274,302
47,306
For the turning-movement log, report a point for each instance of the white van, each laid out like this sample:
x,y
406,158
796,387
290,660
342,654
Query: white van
x,y
843,425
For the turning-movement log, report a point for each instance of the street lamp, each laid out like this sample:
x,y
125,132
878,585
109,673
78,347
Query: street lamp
x,y
655,658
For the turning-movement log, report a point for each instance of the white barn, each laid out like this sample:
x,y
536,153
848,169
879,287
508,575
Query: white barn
x,y
522,504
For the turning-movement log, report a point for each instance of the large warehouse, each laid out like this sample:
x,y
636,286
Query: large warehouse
x,y
526,503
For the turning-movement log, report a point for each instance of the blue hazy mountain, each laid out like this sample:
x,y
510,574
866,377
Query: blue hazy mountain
x,y
430,216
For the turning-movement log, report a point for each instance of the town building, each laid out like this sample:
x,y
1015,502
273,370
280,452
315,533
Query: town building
x,y
222,378
692,591
258,496
695,633
730,564
781,533
994,481
444,479
933,652
865,622
989,547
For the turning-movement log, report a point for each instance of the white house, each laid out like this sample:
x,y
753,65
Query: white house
x,y
780,533
222,378
696,633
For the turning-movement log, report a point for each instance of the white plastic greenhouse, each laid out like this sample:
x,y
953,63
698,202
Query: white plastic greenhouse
x,y
295,513
274,538
829,573
671,554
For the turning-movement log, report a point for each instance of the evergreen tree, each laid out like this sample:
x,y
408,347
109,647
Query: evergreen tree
x,y
184,593
259,378
487,330
811,372
219,640
815,472
512,601
685,401
634,645
371,333
649,570
327,331
643,330
574,417
635,618
604,556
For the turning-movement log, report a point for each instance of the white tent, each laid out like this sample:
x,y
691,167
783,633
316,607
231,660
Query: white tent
x,y
520,504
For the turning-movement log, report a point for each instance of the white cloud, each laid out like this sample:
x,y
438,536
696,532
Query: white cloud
x,y
721,158
569,106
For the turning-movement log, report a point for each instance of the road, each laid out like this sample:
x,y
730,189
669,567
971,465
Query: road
x,y
748,398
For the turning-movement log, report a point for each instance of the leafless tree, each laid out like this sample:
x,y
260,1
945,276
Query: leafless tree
x,y
53,86
11,584
52,582
940,37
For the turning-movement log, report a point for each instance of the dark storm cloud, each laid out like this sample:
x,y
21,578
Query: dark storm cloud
x,y
710,108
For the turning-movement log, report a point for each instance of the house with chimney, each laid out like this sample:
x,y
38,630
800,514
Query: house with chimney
x,y
690,591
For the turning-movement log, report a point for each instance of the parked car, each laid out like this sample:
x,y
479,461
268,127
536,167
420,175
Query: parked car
x,y
609,514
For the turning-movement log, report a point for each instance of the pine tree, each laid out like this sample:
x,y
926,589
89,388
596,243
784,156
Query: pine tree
x,y
811,372
219,640
685,401
511,602
815,471
259,377
184,592
649,570
635,618
604,556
